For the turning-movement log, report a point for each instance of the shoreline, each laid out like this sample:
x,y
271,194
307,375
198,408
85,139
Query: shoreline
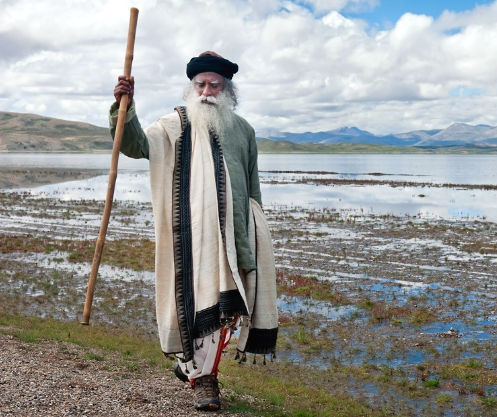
x,y
409,151
12,178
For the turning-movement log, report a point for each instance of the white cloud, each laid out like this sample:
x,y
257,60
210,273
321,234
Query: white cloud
x,y
303,65
325,6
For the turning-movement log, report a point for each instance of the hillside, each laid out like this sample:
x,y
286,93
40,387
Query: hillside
x,y
282,146
21,132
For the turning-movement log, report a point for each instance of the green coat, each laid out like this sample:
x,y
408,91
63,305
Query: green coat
x,y
240,153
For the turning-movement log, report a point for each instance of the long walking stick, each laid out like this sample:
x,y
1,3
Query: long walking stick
x,y
123,105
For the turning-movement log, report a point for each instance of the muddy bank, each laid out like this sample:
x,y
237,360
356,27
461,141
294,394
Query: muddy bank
x,y
33,177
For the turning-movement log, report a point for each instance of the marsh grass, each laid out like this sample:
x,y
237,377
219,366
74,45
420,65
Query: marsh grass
x,y
489,401
484,248
292,393
432,383
308,287
136,254
469,372
398,315
444,399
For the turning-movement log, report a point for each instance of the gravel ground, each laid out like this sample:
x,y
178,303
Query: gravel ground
x,y
46,379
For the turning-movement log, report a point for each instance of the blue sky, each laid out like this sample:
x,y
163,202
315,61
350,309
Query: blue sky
x,y
305,65
387,12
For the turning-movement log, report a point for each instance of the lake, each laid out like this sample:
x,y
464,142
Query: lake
x,y
422,201
459,169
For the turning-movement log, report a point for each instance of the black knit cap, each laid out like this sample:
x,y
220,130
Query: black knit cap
x,y
211,63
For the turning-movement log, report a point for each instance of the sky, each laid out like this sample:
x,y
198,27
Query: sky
x,y
386,66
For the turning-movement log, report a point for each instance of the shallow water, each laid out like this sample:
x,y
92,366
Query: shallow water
x,y
425,202
304,305
458,169
347,200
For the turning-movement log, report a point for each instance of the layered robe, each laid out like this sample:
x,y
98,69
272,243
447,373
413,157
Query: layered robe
x,y
209,227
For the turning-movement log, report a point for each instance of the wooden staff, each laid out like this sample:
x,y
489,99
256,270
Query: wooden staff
x,y
123,108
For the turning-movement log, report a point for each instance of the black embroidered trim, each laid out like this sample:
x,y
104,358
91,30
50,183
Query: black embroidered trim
x,y
231,304
261,341
207,321
182,115
217,156
182,238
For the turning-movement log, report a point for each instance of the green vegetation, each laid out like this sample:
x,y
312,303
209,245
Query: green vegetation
x,y
137,254
443,399
309,287
284,387
432,383
106,340
281,146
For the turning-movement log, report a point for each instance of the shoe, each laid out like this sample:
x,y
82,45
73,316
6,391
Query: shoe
x,y
179,373
206,392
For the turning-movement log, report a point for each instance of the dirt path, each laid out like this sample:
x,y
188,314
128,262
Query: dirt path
x,y
46,379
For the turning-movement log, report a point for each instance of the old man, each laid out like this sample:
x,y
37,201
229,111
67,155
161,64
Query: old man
x,y
214,263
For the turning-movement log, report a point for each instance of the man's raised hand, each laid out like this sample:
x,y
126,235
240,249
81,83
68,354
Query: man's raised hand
x,y
124,86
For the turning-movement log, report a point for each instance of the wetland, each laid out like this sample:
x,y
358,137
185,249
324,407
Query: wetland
x,y
387,282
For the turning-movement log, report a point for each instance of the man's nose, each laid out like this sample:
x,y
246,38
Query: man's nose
x,y
207,91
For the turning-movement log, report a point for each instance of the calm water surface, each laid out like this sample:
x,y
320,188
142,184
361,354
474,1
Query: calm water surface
x,y
447,203
458,169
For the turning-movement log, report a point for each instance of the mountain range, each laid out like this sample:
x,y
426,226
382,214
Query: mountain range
x,y
22,132
458,134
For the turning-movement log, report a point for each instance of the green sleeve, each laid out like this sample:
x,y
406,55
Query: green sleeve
x,y
255,188
134,141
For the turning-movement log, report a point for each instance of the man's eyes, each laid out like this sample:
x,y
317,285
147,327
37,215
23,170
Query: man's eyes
x,y
213,85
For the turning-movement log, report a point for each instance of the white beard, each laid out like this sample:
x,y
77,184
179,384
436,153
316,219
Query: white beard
x,y
218,116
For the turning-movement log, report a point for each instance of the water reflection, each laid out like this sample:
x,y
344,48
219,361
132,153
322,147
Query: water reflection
x,y
426,202
133,186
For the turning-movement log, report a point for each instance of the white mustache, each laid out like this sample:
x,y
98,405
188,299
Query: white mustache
x,y
209,99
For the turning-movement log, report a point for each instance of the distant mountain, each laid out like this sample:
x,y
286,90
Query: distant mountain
x,y
21,132
342,134
458,134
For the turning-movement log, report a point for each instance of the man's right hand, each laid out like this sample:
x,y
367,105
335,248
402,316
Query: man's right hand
x,y
125,86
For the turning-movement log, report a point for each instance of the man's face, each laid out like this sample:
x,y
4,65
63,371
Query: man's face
x,y
208,84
